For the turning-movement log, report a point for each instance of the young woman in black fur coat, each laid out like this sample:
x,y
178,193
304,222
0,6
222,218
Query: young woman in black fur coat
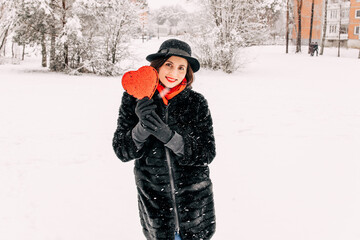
x,y
171,139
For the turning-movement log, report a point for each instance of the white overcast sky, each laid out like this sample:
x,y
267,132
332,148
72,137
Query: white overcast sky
x,y
154,4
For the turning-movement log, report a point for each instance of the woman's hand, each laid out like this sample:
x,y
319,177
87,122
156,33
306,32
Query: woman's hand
x,y
157,127
143,108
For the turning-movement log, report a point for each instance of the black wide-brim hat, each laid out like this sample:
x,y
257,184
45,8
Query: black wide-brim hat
x,y
174,47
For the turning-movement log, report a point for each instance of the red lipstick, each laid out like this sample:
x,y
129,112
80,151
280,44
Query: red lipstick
x,y
170,79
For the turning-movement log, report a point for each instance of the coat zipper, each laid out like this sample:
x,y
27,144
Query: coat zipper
x,y
172,181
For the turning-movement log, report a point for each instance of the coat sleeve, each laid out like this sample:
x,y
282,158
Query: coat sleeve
x,y
199,141
123,144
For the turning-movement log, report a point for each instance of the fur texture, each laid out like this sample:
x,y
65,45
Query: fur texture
x,y
190,117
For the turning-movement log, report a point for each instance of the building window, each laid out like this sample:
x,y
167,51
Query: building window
x,y
343,29
357,13
356,30
344,13
333,14
333,29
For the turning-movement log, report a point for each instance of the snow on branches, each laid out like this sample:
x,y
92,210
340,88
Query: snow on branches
x,y
225,26
80,33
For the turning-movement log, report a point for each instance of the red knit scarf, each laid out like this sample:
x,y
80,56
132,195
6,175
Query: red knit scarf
x,y
168,93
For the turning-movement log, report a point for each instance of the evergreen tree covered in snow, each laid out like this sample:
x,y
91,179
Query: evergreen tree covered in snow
x,y
32,25
39,21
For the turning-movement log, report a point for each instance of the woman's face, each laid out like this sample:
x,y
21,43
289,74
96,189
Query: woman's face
x,y
173,71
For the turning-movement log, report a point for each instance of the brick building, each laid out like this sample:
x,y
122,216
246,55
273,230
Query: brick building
x,y
343,21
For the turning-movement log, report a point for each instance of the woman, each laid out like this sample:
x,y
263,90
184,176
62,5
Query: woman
x,y
171,139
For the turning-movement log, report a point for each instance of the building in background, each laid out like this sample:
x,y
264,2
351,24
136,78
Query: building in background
x,y
343,22
306,20
337,20
354,24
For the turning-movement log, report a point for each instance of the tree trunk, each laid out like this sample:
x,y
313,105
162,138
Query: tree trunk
x,y
324,29
311,24
114,47
287,26
78,59
3,41
12,50
339,30
52,39
4,47
113,54
298,39
23,52
52,48
43,50
66,46
66,55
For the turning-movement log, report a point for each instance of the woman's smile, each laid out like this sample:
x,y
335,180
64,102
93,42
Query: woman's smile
x,y
170,79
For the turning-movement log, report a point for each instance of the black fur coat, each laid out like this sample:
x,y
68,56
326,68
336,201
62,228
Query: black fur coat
x,y
189,116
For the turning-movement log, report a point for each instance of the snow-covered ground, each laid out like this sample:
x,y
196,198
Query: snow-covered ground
x,y
288,158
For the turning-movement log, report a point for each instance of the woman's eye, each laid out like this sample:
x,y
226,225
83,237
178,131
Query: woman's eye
x,y
168,64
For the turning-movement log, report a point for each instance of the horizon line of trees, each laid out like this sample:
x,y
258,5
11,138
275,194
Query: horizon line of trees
x,y
93,35
85,35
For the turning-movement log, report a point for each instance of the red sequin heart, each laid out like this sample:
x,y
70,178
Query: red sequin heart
x,y
141,83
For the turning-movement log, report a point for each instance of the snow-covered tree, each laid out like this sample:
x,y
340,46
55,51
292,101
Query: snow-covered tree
x,y
61,12
275,19
225,26
107,27
121,17
86,35
32,25
38,20
7,22
171,15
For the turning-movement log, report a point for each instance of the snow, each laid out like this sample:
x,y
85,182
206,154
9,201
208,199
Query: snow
x,y
287,129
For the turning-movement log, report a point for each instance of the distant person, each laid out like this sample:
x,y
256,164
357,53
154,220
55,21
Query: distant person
x,y
316,48
171,139
311,49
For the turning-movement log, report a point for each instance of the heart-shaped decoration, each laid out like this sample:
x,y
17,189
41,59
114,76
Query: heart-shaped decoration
x,y
141,83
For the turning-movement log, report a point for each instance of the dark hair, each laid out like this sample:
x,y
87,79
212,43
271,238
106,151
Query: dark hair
x,y
157,63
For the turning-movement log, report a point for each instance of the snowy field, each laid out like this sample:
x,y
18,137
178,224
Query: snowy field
x,y
287,130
